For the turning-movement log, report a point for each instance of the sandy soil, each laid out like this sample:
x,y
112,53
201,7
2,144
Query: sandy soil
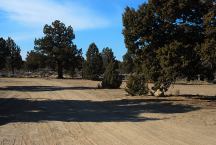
x,y
73,112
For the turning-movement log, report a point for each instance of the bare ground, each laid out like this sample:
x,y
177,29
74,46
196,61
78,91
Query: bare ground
x,y
73,112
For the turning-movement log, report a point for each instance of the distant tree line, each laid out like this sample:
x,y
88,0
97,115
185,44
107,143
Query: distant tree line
x,y
56,51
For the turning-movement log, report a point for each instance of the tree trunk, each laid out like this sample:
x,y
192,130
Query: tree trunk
x,y
60,70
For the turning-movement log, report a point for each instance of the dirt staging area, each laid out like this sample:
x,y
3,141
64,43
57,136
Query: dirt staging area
x,y
73,112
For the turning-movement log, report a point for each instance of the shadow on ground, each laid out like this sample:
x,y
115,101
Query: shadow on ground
x,y
201,97
42,88
126,110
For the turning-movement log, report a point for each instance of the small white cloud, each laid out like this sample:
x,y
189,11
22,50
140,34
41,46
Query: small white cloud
x,y
40,12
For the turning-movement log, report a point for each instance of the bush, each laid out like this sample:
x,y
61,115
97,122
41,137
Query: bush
x,y
111,79
136,85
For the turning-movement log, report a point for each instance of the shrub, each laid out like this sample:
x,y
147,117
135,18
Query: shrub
x,y
136,85
111,79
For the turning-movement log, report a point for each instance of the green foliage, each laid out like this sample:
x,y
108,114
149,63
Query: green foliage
x,y
58,46
174,64
4,52
207,50
128,65
14,59
136,85
171,39
93,64
74,62
35,60
111,79
107,57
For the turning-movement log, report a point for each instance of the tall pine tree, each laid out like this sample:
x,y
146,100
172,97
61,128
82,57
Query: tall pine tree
x,y
107,57
93,65
58,45
14,59
4,52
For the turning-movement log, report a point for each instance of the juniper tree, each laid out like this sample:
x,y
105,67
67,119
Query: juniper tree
x,y
35,60
93,64
111,79
107,57
4,52
171,39
14,59
57,44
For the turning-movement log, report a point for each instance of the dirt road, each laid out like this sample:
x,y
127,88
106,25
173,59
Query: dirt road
x,y
73,112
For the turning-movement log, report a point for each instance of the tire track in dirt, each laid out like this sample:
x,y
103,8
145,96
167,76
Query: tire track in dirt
x,y
44,130
59,130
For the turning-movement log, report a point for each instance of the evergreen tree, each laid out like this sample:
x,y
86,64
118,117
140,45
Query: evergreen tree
x,y
74,63
208,46
4,52
14,59
171,39
111,79
57,44
107,57
128,65
35,60
93,64
136,85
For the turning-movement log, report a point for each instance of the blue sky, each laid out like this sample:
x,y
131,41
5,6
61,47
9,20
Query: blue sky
x,y
98,21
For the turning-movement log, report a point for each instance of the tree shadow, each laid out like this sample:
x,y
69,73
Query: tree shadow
x,y
197,84
42,88
198,97
201,97
126,110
